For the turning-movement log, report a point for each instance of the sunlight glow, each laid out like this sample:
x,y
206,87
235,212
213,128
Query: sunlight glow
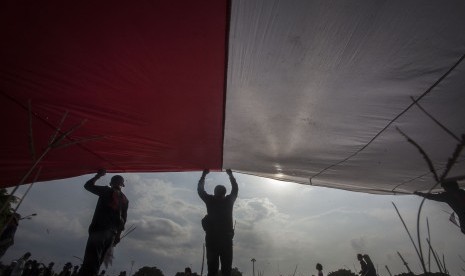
x,y
278,184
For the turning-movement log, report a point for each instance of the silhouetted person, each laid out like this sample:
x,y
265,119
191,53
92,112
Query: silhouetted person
x,y
187,271
218,224
453,196
368,269
49,269
371,271
7,238
107,223
363,265
20,263
319,267
75,270
66,270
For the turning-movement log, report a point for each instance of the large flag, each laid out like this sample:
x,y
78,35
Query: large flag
x,y
305,91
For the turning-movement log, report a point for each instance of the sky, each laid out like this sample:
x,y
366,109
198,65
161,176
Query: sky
x,y
282,225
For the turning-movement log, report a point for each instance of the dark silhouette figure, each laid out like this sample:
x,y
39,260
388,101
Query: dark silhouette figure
x,y
367,267
75,270
187,271
453,196
48,271
370,265
66,270
363,265
319,267
218,225
107,223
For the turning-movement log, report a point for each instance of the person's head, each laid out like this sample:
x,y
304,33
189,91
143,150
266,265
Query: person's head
x,y
51,264
27,255
187,271
116,182
450,186
220,191
359,257
319,267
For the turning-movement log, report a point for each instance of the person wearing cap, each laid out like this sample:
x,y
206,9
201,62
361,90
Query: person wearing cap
x,y
453,196
107,223
218,224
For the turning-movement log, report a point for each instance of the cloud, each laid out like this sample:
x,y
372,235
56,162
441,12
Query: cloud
x,y
359,244
280,229
256,211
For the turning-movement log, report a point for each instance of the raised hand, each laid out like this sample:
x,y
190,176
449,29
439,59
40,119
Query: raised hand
x,y
101,172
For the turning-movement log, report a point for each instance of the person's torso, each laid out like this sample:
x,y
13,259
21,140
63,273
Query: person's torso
x,y
220,212
109,210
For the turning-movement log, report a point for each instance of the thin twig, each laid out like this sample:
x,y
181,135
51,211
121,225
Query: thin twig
x,y
387,268
56,142
58,128
429,251
436,121
453,159
423,153
444,264
438,262
80,141
129,232
295,270
411,239
404,262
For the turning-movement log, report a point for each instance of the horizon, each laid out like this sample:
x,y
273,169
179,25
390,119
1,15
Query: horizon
x,y
280,224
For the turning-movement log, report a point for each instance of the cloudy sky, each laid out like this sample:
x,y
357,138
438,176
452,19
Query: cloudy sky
x,y
282,225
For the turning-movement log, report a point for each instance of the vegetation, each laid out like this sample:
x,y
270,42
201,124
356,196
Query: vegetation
x,y
8,211
342,272
149,271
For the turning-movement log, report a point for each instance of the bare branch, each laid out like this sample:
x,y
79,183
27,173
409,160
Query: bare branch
x,y
451,162
436,121
60,138
420,256
80,141
58,128
423,153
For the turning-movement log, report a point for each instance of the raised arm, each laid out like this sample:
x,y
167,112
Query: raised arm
x,y
201,186
235,187
90,184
